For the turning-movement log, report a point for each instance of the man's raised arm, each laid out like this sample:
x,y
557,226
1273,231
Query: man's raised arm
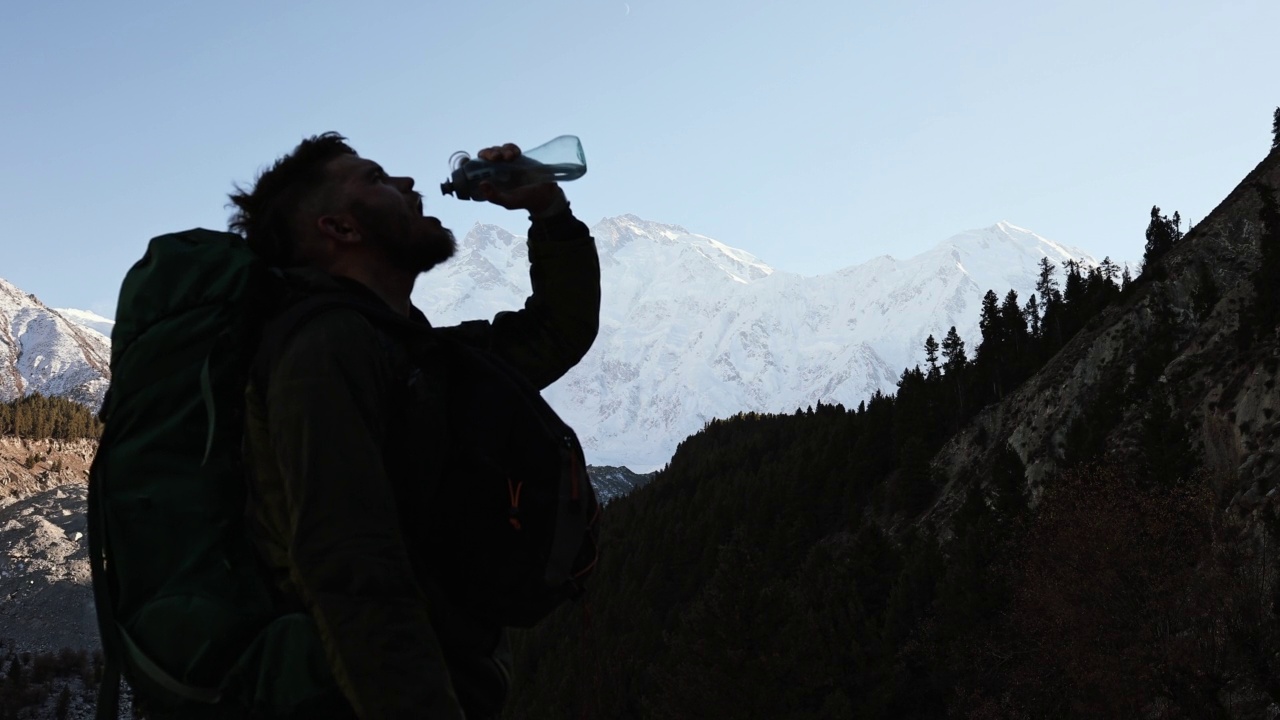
x,y
561,317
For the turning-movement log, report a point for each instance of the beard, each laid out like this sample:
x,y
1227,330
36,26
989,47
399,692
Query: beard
x,y
413,243
422,249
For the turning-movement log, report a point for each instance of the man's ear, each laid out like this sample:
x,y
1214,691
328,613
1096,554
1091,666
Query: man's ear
x,y
340,229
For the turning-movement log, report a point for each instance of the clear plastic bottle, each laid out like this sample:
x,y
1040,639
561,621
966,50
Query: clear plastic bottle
x,y
559,160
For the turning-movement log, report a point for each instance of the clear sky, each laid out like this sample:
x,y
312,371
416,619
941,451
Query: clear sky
x,y
814,134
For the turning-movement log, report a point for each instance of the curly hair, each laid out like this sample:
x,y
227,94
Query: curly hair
x,y
265,213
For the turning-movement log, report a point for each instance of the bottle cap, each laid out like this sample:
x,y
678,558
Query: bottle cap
x,y
458,184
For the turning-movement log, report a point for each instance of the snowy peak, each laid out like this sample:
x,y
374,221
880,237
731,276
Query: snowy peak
x,y
88,320
622,230
488,255
997,258
631,241
1005,237
483,236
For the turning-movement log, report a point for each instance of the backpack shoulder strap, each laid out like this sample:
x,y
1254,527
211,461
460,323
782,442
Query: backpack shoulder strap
x,y
278,332
109,684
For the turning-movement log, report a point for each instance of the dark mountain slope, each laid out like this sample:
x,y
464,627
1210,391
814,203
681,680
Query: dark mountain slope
x,y
1076,521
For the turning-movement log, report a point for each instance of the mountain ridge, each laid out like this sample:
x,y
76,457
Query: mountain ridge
x,y
693,329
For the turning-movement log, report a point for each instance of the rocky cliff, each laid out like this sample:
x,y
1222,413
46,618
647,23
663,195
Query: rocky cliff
x,y
1220,388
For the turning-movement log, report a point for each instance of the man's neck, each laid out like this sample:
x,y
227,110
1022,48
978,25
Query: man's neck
x,y
392,288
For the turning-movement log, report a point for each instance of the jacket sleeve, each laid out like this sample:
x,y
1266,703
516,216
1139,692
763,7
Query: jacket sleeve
x,y
561,317
326,409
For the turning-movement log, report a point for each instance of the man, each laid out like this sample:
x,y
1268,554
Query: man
x,y
345,452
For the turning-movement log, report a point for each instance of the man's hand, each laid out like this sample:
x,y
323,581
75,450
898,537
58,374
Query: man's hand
x,y
540,200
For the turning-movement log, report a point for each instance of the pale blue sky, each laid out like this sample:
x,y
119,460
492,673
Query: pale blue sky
x,y
813,134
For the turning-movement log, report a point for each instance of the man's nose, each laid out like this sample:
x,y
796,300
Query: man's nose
x,y
405,184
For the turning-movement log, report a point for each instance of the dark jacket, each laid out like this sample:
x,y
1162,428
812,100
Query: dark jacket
x,y
345,453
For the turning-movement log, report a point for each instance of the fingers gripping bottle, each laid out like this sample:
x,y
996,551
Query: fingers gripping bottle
x,y
560,160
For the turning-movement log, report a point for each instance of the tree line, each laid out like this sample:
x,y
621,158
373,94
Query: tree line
x,y
37,417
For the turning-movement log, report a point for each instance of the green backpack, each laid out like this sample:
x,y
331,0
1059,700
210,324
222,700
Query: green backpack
x,y
183,607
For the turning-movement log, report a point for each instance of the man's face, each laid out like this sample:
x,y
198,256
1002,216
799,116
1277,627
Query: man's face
x,y
389,214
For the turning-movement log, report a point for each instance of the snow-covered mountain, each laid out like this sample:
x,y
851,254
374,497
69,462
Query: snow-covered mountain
x,y
692,329
42,351
88,319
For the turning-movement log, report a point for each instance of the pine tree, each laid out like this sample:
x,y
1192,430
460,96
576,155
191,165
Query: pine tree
x,y
1109,269
1013,322
1032,313
990,325
1162,235
956,362
1275,129
1075,283
931,349
1051,307
953,351
1046,285
992,355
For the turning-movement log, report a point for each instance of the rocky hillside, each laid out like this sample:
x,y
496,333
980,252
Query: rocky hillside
x,y
46,599
1220,387
31,466
612,483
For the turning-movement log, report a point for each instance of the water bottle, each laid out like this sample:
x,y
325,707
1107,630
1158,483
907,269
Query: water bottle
x,y
560,160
